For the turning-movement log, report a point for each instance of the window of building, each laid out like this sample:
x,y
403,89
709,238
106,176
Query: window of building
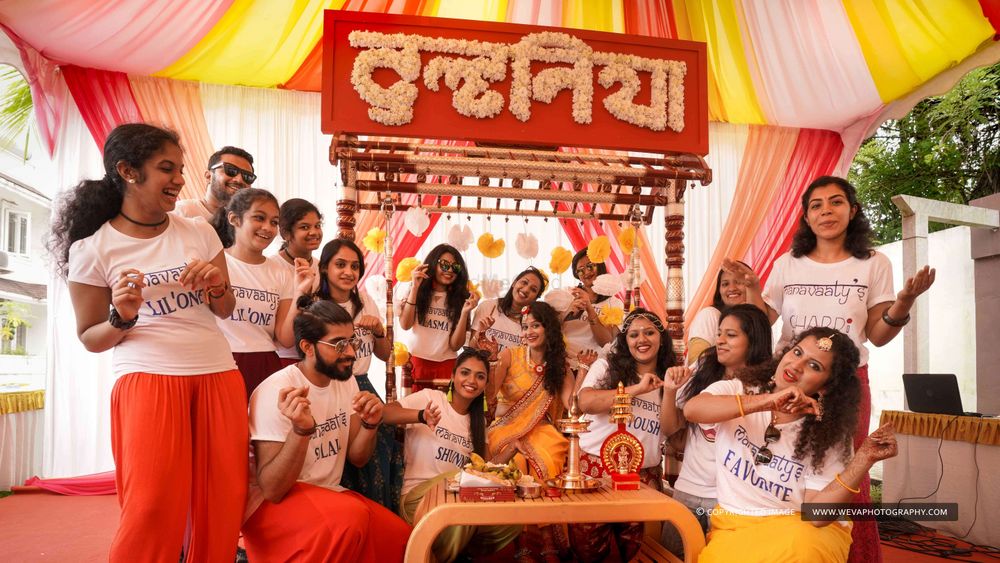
x,y
16,227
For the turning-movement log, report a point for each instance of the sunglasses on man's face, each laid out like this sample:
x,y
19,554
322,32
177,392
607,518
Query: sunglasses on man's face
x,y
342,344
764,455
233,171
449,266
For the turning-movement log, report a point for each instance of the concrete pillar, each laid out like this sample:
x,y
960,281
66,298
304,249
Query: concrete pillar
x,y
986,253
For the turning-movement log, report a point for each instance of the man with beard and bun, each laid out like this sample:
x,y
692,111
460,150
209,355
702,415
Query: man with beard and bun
x,y
306,420
230,169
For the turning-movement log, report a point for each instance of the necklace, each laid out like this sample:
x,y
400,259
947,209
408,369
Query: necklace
x,y
141,224
539,369
292,258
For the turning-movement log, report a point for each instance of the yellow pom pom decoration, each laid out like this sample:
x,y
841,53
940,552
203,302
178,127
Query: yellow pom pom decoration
x,y
611,316
400,355
561,260
375,240
599,249
404,270
628,240
489,247
474,289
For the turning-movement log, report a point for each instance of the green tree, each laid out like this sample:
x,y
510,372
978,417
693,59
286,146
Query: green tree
x,y
15,109
947,148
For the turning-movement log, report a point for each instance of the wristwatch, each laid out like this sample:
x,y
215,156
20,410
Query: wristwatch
x,y
115,320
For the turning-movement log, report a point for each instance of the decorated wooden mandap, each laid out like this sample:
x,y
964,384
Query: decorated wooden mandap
x,y
510,103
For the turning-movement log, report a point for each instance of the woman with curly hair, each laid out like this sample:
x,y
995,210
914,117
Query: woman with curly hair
x,y
831,277
150,284
743,339
783,438
534,384
436,308
641,354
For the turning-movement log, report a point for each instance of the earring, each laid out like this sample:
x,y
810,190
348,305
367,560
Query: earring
x,y
822,407
131,180
486,406
450,386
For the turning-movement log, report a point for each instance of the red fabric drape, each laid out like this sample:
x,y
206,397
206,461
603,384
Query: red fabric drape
x,y
654,18
84,485
991,9
48,92
105,99
815,154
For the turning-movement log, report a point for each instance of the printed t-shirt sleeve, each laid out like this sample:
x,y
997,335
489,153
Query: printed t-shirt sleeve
x,y
286,281
832,465
725,387
368,306
85,264
880,282
266,421
416,400
483,310
210,239
595,374
774,289
402,293
705,325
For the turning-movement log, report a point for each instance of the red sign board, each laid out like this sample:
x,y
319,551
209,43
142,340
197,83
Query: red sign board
x,y
421,77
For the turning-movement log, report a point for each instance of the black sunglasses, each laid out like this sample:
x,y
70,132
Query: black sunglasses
x,y
764,455
232,171
483,355
449,266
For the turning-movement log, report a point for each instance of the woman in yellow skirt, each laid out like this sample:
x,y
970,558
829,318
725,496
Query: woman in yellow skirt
x,y
783,438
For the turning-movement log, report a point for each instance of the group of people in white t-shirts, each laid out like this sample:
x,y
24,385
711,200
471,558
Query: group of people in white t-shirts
x,y
218,347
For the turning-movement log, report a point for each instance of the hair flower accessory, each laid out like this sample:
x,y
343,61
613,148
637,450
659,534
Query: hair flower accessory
x,y
525,310
416,220
561,260
611,316
599,249
489,247
607,284
400,355
628,240
526,245
375,240
825,343
404,270
460,236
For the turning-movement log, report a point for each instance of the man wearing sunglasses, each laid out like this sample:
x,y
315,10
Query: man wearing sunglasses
x,y
229,169
306,421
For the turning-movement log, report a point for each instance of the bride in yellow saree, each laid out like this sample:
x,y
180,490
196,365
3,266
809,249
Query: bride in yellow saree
x,y
533,385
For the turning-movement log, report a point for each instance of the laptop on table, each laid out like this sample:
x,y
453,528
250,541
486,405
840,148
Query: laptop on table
x,y
934,393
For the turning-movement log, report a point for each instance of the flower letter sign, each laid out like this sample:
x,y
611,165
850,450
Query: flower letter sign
x,y
421,77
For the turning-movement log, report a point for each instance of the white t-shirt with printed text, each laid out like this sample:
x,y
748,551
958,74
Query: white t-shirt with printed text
x,y
807,293
645,424
697,476
705,325
363,353
579,334
176,332
505,330
746,488
428,453
259,289
429,340
292,352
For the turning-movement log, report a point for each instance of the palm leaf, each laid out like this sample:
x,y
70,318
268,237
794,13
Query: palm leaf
x,y
15,108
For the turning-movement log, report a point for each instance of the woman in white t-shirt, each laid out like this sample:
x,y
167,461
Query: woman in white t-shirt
x,y
341,267
442,431
743,339
642,352
264,290
149,284
496,323
581,322
783,438
729,291
831,277
436,308
300,225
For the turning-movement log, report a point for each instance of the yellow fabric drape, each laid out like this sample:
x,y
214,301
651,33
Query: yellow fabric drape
x,y
485,10
731,93
21,401
765,161
240,49
961,429
906,42
176,104
594,15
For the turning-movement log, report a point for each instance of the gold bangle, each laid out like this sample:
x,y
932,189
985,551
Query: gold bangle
x,y
843,484
739,403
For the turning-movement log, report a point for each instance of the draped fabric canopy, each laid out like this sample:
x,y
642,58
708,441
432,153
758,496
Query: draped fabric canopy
x,y
793,89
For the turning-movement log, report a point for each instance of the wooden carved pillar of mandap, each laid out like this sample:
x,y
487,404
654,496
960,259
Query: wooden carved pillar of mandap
x,y
674,238
347,203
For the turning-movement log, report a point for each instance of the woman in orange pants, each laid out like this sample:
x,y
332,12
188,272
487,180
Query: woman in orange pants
x,y
149,284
